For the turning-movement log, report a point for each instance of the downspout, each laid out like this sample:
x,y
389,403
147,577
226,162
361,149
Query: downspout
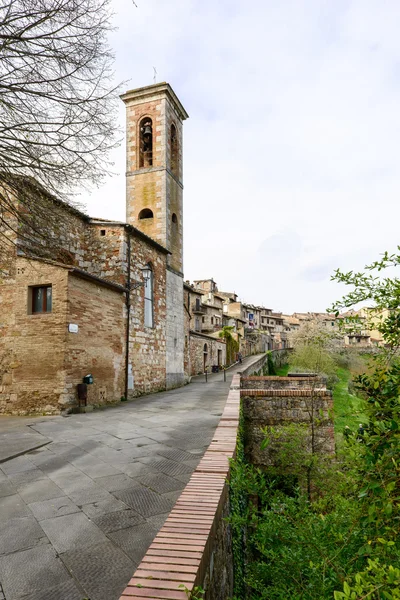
x,y
128,313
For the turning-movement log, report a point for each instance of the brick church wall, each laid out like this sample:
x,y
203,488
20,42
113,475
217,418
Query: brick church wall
x,y
99,346
33,345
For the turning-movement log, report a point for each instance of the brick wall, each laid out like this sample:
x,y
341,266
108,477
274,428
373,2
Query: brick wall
x,y
34,345
99,346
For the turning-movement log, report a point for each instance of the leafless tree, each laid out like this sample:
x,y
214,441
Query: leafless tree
x,y
57,107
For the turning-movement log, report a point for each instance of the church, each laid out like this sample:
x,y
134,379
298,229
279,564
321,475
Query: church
x,y
106,308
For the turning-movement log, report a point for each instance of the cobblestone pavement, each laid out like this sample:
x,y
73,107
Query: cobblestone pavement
x,y
77,515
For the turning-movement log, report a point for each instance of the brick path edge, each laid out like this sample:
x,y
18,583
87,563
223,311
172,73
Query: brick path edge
x,y
180,552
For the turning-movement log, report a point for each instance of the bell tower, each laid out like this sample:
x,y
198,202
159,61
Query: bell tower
x,y
154,189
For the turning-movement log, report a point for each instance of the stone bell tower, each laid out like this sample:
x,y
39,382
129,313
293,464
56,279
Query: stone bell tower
x,y
154,117
154,192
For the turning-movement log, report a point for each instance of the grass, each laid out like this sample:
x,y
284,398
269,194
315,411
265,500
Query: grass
x,y
348,409
282,371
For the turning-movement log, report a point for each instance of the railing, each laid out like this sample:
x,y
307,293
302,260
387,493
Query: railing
x,y
198,308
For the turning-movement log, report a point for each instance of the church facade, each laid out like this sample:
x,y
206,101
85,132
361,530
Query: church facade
x,y
109,302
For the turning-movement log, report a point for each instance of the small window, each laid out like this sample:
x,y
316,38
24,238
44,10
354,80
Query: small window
x,y
174,218
149,302
146,213
102,232
212,320
203,320
40,299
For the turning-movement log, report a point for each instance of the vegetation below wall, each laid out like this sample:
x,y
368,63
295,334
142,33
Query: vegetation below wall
x,y
344,543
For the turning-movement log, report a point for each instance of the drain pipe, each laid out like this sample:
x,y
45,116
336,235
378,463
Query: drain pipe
x,y
128,314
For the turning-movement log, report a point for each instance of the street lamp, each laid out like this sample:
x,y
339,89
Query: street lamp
x,y
146,272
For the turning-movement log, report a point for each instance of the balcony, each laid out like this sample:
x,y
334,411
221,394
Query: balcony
x,y
198,309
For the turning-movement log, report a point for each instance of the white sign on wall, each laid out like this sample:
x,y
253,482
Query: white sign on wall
x,y
72,328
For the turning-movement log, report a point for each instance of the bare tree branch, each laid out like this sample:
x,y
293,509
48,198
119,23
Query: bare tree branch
x,y
57,108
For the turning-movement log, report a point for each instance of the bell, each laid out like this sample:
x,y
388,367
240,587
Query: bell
x,y
147,130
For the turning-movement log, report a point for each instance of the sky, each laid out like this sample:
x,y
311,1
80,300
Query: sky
x,y
292,148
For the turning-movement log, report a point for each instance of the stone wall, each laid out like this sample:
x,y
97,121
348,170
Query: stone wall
x,y
147,347
282,383
280,407
197,343
99,346
175,331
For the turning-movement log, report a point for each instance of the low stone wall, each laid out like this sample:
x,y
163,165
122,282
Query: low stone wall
x,y
255,366
278,408
278,383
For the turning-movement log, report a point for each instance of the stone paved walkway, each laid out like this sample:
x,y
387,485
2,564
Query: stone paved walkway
x,y
77,515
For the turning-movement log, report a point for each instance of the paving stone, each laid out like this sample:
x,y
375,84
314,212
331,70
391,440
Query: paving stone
x,y
29,571
17,465
134,541
172,497
72,481
71,532
62,447
6,489
101,569
102,507
56,507
68,590
88,495
127,435
52,464
42,489
20,534
175,454
135,469
118,520
169,467
21,479
161,483
142,441
112,483
157,521
100,470
183,477
135,452
146,502
13,506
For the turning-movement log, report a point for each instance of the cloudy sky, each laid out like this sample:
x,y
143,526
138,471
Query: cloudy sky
x,y
292,148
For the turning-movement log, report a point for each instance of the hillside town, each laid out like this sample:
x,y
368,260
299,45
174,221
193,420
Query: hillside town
x,y
107,302
199,320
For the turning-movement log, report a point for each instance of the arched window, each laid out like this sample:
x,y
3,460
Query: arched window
x,y
145,143
174,150
146,213
174,218
149,299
